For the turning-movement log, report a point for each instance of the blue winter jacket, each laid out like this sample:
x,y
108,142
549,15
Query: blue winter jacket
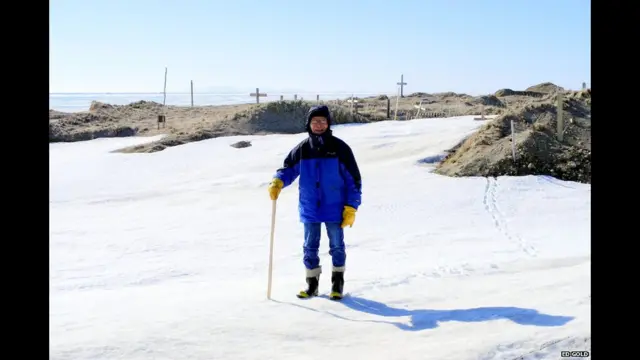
x,y
329,174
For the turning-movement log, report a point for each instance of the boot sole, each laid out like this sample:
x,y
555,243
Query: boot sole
x,y
332,296
304,295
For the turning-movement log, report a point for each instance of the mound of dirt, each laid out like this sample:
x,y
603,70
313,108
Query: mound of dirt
x,y
539,151
102,120
504,92
451,94
97,106
85,126
56,115
536,91
488,100
545,88
288,117
418,94
279,117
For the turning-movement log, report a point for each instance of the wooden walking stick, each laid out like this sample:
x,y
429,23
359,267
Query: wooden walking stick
x,y
273,224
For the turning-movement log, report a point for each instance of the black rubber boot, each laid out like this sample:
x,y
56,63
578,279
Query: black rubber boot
x,y
313,281
337,285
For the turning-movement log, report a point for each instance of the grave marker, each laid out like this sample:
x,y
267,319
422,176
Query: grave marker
x,y
402,84
257,95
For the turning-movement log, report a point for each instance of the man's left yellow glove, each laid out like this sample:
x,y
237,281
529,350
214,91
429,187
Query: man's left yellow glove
x,y
348,216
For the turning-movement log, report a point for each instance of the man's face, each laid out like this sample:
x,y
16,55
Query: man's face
x,y
319,124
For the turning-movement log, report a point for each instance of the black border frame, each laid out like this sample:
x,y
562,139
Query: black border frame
x,y
614,70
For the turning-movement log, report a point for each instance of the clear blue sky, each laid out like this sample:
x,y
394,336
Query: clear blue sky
x,y
470,46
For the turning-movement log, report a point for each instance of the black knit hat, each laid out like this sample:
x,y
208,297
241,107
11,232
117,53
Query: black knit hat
x,y
320,110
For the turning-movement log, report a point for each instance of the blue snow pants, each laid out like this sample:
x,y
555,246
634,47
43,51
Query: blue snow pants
x,y
312,244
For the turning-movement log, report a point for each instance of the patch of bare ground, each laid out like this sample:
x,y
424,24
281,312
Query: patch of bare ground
x,y
539,151
186,124
138,118
281,117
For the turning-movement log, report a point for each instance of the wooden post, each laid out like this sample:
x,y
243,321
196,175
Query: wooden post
x,y
388,107
164,99
191,93
513,141
257,95
395,116
163,117
419,107
559,117
402,84
481,113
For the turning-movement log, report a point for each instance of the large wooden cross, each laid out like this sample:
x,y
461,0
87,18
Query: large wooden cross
x,y
402,84
257,95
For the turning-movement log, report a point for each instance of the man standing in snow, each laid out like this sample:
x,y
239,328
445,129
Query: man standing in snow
x,y
330,193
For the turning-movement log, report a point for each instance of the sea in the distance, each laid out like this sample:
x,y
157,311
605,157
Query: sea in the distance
x,y
74,102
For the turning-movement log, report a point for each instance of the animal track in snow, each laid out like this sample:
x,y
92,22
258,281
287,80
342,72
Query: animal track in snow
x,y
491,206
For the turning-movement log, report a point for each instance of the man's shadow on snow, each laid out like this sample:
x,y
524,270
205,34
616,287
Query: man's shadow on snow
x,y
422,319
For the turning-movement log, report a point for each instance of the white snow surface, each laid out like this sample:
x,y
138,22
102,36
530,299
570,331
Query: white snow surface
x,y
165,255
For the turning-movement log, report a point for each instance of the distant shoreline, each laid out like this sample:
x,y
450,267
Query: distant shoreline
x,y
277,93
79,102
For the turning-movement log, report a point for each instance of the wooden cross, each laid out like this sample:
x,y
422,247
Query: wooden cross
x,y
257,95
402,84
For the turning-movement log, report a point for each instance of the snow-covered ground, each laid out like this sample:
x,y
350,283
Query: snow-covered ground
x,y
165,255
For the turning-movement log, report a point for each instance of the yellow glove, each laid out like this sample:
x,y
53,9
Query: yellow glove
x,y
274,188
348,216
